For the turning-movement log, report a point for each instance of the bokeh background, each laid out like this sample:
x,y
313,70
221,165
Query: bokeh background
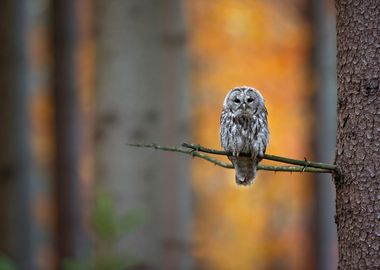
x,y
81,79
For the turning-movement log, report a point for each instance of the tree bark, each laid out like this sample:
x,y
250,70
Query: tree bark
x,y
16,222
357,178
324,132
141,97
70,233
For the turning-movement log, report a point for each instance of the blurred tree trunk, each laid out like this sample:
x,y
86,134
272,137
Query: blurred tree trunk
x,y
16,225
70,234
357,179
324,133
141,97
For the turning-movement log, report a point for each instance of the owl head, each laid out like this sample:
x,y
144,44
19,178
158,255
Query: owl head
x,y
244,101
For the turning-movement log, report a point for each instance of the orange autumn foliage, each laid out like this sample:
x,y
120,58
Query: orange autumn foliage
x,y
262,44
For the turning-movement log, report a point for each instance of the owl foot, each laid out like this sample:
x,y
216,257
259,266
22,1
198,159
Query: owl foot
x,y
235,154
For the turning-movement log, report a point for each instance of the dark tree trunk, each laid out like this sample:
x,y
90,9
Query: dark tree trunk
x,y
70,237
357,179
16,223
324,133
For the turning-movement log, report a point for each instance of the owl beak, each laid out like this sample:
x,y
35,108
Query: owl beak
x,y
244,106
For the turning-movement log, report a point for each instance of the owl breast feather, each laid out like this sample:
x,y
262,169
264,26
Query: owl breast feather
x,y
240,134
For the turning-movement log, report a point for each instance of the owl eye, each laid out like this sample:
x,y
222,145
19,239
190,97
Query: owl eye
x,y
236,100
249,100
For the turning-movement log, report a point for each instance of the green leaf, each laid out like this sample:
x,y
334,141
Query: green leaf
x,y
6,263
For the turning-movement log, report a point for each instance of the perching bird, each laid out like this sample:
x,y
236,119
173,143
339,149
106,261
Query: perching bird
x,y
244,129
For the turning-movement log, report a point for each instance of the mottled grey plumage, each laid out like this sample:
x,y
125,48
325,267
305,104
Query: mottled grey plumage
x,y
244,129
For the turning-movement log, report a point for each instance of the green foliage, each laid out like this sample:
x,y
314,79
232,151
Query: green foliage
x,y
75,265
6,263
108,228
111,262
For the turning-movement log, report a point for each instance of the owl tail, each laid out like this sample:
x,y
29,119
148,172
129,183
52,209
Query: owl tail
x,y
245,170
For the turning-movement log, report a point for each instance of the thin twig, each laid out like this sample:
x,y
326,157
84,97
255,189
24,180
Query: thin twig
x,y
292,169
194,150
184,151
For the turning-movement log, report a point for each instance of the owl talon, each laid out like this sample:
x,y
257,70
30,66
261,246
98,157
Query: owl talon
x,y
235,154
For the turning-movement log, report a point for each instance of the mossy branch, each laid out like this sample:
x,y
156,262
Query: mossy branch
x,y
196,150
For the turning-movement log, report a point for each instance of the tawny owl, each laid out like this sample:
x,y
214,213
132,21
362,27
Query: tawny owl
x,y
244,129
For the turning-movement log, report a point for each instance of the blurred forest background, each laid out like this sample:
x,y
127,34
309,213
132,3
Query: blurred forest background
x,y
80,79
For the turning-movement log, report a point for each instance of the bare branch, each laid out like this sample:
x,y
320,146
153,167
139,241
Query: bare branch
x,y
305,162
194,151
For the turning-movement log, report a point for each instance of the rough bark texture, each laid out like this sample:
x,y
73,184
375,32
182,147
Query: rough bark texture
x,y
357,180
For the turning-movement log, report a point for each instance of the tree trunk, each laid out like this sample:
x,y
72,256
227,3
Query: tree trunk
x,y
357,179
141,97
16,223
70,234
324,132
